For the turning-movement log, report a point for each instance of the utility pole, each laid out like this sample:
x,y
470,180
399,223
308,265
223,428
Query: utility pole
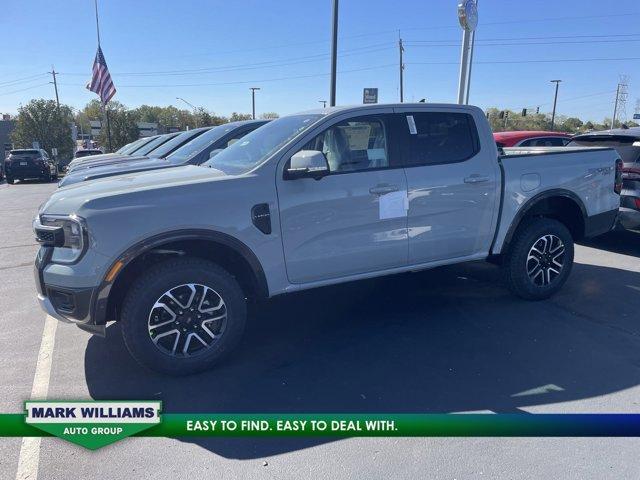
x,y
615,107
323,102
555,101
401,48
55,84
334,55
253,101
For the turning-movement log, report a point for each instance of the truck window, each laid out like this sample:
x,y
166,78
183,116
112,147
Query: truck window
x,y
440,137
627,147
545,142
353,145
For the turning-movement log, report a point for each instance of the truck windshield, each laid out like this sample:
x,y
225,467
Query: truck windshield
x,y
198,144
256,147
628,147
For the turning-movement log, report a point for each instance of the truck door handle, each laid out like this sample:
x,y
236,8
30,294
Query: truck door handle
x,y
383,189
475,178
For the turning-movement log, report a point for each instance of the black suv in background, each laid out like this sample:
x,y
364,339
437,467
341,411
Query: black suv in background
x,y
627,143
30,163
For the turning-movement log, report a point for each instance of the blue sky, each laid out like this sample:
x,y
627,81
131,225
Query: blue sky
x,y
211,52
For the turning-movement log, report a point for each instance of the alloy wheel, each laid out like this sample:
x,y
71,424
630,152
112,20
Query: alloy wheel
x,y
187,320
545,260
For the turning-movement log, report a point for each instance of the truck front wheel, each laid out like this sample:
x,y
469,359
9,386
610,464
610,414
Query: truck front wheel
x,y
183,316
539,259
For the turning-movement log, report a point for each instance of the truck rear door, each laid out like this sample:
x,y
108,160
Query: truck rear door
x,y
453,184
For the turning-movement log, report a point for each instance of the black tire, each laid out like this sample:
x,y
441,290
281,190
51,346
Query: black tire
x,y
47,177
517,263
152,285
10,180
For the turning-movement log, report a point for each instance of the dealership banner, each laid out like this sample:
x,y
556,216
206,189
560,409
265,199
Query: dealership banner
x,y
92,424
96,424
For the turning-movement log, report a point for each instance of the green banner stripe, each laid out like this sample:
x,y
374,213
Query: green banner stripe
x,y
383,425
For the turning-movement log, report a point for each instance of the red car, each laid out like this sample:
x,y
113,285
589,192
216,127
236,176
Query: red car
x,y
531,139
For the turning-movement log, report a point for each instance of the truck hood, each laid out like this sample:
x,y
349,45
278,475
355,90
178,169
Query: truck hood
x,y
71,199
104,161
120,168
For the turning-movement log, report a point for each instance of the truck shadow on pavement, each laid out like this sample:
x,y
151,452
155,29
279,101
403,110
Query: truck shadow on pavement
x,y
625,242
446,340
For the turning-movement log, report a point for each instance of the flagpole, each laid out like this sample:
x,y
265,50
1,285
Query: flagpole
x,y
104,106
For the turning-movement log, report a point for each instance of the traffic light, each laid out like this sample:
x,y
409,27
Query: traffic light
x,y
524,112
501,114
537,110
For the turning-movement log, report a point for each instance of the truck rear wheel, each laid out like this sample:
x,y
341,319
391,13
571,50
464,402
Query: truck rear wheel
x,y
183,316
539,259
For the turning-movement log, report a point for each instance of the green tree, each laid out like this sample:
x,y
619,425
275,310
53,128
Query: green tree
x,y
269,116
42,121
123,125
236,117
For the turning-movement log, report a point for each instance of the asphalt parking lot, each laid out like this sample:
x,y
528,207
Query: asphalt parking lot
x,y
447,340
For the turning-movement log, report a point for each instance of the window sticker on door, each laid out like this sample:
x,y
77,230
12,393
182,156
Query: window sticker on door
x,y
412,125
394,205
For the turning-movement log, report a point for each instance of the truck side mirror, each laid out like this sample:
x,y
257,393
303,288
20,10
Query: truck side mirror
x,y
307,164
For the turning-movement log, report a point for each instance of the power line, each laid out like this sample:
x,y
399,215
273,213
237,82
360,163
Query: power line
x,y
24,89
546,37
510,44
374,67
10,83
251,66
533,61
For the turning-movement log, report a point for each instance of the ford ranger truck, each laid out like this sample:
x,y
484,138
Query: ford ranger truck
x,y
308,200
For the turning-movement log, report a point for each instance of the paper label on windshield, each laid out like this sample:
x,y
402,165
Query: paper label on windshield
x,y
394,205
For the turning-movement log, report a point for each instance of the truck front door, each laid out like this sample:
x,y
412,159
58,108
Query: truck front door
x,y
335,227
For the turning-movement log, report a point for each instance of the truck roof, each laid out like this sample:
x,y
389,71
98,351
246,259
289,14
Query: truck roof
x,y
330,110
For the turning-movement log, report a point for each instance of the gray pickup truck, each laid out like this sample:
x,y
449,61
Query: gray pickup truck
x,y
307,200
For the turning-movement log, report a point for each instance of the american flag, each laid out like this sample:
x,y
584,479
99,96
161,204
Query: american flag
x,y
101,82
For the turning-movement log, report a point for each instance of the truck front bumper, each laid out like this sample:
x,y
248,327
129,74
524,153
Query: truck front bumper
x,y
66,304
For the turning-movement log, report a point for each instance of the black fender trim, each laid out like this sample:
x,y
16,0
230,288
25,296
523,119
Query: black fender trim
x,y
99,307
556,192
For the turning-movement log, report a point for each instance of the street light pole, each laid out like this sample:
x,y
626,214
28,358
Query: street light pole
x,y
195,110
468,18
323,102
555,101
334,55
253,101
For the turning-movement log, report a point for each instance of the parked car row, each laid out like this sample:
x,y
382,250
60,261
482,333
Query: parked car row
x,y
192,147
308,200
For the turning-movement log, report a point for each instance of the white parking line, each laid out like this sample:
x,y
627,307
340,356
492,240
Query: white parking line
x,y
30,449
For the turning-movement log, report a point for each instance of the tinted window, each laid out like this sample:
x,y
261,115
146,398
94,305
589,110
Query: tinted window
x,y
352,145
628,147
25,153
545,142
175,143
440,137
153,144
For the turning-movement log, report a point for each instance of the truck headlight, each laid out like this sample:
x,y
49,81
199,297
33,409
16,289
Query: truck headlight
x,y
67,233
